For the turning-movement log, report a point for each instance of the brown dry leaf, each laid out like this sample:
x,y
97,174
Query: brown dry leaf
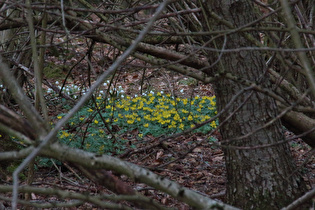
x,y
159,154
198,149
217,159
164,201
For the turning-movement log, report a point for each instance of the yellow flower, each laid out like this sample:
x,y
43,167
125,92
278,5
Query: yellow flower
x,y
90,110
176,117
101,149
146,125
64,134
81,118
190,118
130,121
181,126
192,125
101,131
184,111
95,121
99,98
213,124
59,117
140,135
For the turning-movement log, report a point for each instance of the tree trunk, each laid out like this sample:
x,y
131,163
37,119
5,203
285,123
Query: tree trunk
x,y
260,178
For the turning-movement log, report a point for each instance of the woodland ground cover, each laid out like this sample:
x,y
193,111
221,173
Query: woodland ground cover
x,y
115,121
111,123
98,126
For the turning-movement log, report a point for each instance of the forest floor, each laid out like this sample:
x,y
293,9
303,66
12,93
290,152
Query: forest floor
x,y
202,170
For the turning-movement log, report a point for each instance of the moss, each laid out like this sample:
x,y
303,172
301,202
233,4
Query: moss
x,y
53,71
188,81
8,167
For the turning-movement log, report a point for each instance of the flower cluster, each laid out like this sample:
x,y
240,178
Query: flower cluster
x,y
150,114
164,112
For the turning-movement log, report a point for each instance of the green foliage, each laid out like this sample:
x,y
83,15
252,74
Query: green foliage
x,y
46,162
11,168
150,114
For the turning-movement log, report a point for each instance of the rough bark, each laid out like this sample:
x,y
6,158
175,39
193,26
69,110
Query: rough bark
x,y
260,178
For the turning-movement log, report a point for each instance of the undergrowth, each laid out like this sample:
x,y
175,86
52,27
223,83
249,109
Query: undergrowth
x,y
100,126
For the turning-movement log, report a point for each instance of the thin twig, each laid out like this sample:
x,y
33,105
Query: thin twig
x,y
52,134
